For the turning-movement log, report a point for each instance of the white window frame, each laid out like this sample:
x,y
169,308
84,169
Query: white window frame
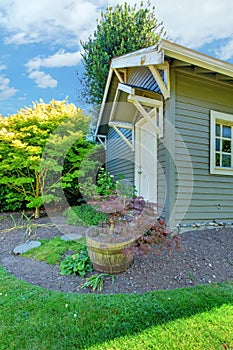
x,y
224,119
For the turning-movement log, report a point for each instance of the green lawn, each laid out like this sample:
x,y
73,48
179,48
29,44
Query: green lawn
x,y
192,318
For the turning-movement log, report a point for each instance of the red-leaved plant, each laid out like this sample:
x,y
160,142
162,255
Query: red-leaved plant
x,y
136,218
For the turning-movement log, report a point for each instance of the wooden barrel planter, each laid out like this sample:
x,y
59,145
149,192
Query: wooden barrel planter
x,y
108,252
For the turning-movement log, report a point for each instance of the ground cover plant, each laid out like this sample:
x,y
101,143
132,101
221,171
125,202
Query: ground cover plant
x,y
52,250
72,257
84,215
191,318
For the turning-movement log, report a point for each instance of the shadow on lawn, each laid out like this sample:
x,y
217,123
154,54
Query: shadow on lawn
x,y
124,315
102,318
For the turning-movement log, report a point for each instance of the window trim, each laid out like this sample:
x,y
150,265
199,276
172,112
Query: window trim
x,y
221,118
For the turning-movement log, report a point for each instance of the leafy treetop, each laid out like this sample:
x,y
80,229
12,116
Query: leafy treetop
x,y
120,30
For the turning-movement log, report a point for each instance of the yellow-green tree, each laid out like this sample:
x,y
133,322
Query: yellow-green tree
x,y
24,137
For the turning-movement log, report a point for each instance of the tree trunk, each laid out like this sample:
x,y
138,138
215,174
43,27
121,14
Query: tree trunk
x,y
37,209
37,213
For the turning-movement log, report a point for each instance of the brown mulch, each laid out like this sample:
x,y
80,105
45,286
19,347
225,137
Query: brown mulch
x,y
205,256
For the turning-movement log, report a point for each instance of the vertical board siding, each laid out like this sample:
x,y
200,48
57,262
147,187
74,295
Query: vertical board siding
x,y
212,197
119,156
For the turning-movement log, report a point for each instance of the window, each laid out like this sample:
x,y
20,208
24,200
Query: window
x,y
221,144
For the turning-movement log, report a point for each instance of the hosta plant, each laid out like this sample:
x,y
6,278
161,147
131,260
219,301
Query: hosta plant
x,y
78,264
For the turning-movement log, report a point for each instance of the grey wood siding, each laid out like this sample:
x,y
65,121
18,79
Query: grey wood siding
x,y
161,178
119,156
212,197
166,156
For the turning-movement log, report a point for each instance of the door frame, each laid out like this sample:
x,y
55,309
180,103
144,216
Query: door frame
x,y
138,168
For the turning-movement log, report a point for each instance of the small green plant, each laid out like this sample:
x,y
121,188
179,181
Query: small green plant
x,y
105,183
30,226
96,282
78,264
125,188
191,276
26,223
84,215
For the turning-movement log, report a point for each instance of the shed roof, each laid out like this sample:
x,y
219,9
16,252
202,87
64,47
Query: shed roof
x,y
157,55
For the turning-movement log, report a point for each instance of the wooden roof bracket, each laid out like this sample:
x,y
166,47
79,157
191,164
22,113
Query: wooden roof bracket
x,y
157,111
102,139
164,85
117,125
120,87
121,74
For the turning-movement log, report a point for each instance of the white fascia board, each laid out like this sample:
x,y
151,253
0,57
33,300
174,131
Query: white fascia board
x,y
103,142
126,88
118,76
124,125
139,58
196,58
114,105
110,73
150,102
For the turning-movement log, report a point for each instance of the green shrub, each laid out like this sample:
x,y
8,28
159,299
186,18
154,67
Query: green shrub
x,y
78,264
84,215
105,183
10,199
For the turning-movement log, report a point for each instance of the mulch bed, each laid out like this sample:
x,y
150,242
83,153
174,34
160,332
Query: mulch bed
x,y
205,256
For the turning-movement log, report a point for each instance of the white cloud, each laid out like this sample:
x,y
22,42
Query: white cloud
x,y
192,23
3,67
189,22
6,91
63,23
226,51
59,59
57,21
195,23
22,38
22,98
43,80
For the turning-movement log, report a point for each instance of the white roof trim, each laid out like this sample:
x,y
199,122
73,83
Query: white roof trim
x,y
126,88
110,73
138,59
196,58
155,55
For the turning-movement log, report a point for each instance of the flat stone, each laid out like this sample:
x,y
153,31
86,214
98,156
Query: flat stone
x,y
214,224
24,247
71,237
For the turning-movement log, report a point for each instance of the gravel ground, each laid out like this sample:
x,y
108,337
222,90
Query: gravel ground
x,y
205,256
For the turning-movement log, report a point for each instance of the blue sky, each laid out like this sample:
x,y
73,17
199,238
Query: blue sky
x,y
40,42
